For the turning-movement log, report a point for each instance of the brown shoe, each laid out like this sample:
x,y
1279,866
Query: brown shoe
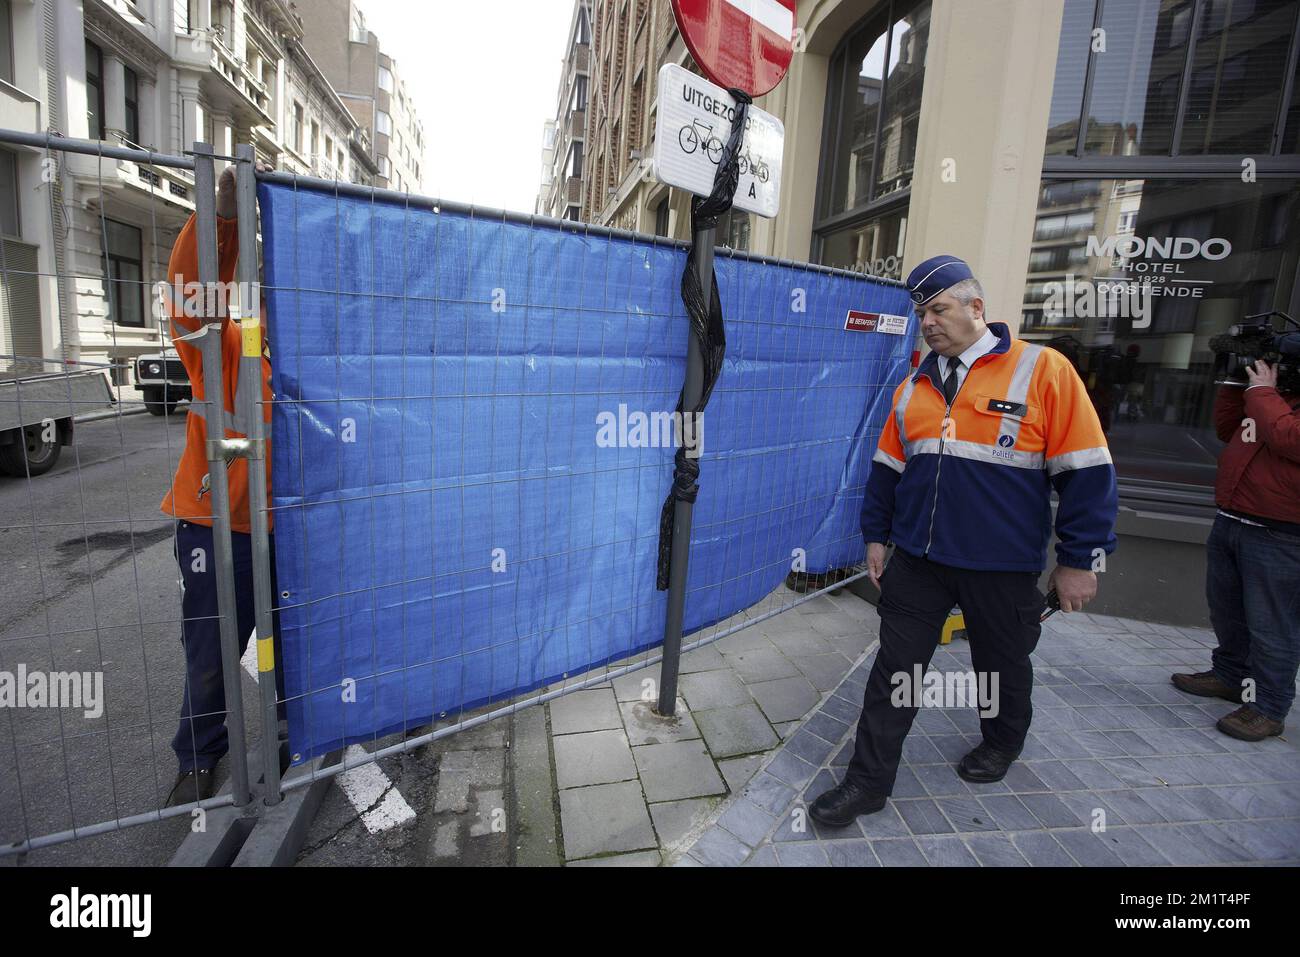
x,y
1247,724
1207,685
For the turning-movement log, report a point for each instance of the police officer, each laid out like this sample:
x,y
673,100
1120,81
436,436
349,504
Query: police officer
x,y
961,484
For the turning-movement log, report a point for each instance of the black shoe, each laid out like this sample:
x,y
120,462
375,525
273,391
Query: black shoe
x,y
985,764
191,786
839,806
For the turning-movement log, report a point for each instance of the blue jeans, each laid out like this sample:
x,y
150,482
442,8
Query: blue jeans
x,y
1253,586
201,739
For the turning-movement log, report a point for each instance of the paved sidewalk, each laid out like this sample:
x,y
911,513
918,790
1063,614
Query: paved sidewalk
x,y
1120,769
597,778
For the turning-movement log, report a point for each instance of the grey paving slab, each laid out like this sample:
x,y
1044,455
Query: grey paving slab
x,y
676,770
898,852
946,851
675,821
718,847
708,690
739,730
769,792
995,850
785,699
644,725
824,671
578,711
762,665
923,816
802,855
1041,849
747,821
594,757
738,771
855,853
605,819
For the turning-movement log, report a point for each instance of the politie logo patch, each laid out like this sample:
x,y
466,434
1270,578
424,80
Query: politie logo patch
x,y
1006,441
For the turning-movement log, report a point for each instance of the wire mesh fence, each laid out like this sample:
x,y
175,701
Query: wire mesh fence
x,y
469,439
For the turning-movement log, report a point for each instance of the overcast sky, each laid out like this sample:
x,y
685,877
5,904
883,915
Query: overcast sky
x,y
484,76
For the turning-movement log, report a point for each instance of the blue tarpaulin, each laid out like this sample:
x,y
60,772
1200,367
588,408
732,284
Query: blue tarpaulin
x,y
470,456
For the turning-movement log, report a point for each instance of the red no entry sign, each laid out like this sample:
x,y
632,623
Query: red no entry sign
x,y
745,44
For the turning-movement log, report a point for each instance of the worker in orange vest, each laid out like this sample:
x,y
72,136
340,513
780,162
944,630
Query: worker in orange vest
x,y
201,739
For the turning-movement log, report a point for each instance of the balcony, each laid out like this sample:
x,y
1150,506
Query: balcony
x,y
161,187
577,128
19,110
573,189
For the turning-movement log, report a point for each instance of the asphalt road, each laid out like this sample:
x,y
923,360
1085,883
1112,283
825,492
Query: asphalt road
x,y
88,582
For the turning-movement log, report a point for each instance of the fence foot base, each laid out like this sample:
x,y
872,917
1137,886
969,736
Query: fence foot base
x,y
258,835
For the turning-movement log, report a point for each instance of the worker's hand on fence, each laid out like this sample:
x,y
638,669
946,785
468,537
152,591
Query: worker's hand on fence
x,y
875,562
1075,587
227,197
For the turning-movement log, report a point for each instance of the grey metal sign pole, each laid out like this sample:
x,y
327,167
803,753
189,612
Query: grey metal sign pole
x,y
205,210
692,390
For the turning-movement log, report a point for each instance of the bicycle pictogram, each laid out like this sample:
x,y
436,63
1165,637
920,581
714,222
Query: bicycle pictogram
x,y
690,137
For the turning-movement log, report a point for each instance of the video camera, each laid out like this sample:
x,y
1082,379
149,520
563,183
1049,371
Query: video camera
x,y
1254,338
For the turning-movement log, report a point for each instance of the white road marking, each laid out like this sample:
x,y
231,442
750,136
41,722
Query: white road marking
x,y
249,661
365,785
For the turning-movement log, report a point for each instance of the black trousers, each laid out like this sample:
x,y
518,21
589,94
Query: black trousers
x,y
1001,611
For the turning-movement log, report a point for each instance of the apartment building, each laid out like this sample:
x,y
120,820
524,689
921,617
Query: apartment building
x,y
158,74
369,83
564,138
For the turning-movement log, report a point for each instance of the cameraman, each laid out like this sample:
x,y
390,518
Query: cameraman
x,y
1253,557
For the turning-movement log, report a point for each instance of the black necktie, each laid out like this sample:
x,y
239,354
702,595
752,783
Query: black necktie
x,y
950,381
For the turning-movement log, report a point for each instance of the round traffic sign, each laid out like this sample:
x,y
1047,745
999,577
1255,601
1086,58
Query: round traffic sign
x,y
746,44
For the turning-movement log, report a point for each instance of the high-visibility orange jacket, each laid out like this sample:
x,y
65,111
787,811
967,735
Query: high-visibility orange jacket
x,y
190,496
971,485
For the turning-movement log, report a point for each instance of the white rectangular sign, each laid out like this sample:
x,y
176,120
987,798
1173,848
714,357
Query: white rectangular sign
x,y
694,122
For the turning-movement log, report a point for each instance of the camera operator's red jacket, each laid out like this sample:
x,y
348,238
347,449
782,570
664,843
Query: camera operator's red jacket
x,y
1259,479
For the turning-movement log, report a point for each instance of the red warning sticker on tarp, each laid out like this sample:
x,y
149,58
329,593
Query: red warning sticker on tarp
x,y
857,321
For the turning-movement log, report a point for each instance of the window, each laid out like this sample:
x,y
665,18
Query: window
x,y
313,145
385,168
579,99
869,139
94,91
123,273
131,94
1189,257
9,222
733,230
1147,243
574,165
661,218
6,42
385,80
296,127
383,123
1177,77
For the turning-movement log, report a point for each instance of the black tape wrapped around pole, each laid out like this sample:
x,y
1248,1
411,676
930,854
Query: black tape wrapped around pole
x,y
706,327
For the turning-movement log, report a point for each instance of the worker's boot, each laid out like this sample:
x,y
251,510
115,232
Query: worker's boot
x,y
1247,724
1206,684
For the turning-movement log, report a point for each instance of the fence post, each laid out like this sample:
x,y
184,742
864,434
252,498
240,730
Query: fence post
x,y
205,211
692,390
250,371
